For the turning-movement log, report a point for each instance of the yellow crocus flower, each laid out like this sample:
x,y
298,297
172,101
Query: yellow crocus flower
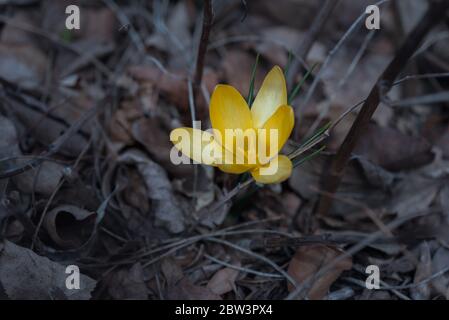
x,y
230,112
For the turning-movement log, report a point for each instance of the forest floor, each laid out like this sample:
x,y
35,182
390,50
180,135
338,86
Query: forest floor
x,y
86,177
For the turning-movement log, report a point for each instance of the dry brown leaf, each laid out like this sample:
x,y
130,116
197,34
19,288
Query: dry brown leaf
x,y
369,189
23,65
185,290
14,231
176,39
392,149
98,25
375,174
43,179
444,201
281,38
25,275
68,226
291,203
70,112
423,271
173,86
240,77
120,126
8,139
179,37
135,194
172,271
413,194
136,207
149,133
440,261
295,13
443,143
210,218
79,192
275,53
128,284
363,77
167,211
223,281
46,130
308,260
13,35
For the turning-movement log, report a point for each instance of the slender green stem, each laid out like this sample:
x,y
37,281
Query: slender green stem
x,y
251,85
297,162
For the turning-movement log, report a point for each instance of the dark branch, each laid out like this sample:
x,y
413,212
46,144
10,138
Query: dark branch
x,y
208,16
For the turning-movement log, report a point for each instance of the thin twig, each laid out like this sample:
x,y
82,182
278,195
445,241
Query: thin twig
x,y
124,20
175,246
362,284
257,256
420,283
330,57
193,117
342,82
303,50
208,16
357,58
243,269
422,100
422,76
231,194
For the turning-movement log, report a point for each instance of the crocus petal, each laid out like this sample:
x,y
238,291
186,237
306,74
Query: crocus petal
x,y
198,145
233,168
230,163
228,110
282,121
271,95
278,170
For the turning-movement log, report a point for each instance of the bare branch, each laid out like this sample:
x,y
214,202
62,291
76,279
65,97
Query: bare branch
x,y
208,16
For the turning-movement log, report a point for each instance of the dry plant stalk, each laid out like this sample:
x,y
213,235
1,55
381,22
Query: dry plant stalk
x,y
208,16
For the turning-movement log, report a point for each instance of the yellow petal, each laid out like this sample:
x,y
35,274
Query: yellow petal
x,y
278,170
280,126
231,163
271,95
198,145
228,110
233,168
